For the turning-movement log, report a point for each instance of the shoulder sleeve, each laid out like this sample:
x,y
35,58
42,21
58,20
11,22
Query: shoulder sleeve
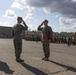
x,y
39,28
24,27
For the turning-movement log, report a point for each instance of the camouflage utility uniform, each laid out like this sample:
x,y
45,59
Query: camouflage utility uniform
x,y
46,31
17,33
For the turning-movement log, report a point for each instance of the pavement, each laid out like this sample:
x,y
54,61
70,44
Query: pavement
x,y
62,59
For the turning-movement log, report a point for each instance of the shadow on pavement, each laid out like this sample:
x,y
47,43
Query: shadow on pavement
x,y
65,66
33,69
4,67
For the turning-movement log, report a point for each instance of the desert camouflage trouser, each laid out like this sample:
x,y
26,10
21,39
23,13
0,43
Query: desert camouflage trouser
x,y
18,48
46,49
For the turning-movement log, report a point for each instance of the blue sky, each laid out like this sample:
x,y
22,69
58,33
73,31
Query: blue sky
x,y
61,14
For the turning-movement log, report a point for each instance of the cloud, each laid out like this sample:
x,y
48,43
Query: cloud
x,y
10,14
74,0
23,5
16,5
30,13
19,4
66,8
65,21
38,3
68,28
73,27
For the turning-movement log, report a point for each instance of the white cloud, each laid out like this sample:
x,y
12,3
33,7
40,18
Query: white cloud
x,y
73,27
22,4
10,14
65,21
30,13
16,5
19,4
74,0
66,8
47,10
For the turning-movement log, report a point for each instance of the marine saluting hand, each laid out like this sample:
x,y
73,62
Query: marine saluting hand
x,y
26,27
42,23
24,22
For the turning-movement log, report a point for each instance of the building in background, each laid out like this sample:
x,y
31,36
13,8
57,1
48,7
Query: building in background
x,y
5,32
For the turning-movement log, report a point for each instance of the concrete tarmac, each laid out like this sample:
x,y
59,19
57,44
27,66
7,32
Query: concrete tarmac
x,y
62,59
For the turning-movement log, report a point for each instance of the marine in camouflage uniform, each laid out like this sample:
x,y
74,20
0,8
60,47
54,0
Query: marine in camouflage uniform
x,y
46,37
17,34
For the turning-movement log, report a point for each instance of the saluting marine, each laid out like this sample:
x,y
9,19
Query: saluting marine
x,y
46,37
17,34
